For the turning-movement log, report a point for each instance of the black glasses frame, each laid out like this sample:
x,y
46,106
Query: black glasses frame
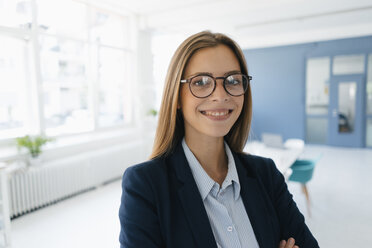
x,y
249,78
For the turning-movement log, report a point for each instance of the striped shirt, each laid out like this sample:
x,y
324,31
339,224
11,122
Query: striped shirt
x,y
224,206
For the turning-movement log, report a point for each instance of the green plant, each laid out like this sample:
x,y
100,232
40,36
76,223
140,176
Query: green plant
x,y
152,112
33,144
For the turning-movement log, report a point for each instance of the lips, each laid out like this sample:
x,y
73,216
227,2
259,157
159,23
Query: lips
x,y
217,114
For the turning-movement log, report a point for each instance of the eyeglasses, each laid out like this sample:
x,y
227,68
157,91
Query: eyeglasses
x,y
203,85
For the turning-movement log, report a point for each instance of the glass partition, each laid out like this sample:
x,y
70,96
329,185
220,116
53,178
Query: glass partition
x,y
369,102
316,131
369,133
369,86
317,85
348,64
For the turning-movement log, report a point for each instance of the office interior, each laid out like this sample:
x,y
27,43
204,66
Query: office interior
x,y
87,76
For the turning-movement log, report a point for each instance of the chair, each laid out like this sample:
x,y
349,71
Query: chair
x,y
302,172
294,144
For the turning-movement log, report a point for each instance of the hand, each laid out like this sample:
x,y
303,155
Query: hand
x,y
290,243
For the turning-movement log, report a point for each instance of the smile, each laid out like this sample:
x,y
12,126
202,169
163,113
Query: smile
x,y
217,114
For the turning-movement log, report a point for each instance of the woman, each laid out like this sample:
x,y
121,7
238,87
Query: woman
x,y
199,189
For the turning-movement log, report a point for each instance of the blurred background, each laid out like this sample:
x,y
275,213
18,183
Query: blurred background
x,y
81,83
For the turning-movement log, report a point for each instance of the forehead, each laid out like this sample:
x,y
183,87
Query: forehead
x,y
216,60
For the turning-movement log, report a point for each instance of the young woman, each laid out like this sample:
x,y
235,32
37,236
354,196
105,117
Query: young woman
x,y
199,189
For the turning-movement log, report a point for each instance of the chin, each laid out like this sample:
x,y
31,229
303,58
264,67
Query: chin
x,y
217,133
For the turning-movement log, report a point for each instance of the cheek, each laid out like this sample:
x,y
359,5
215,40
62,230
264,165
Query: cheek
x,y
187,101
240,103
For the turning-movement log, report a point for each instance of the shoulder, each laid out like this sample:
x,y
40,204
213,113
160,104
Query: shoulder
x,y
256,164
262,169
146,170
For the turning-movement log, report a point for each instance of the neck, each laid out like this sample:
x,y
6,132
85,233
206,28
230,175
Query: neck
x,y
210,152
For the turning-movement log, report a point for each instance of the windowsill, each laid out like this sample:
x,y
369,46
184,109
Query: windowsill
x,y
75,144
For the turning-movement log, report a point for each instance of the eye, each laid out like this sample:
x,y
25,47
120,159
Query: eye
x,y
233,80
201,81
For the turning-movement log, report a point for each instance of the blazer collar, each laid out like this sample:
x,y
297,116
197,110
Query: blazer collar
x,y
254,202
251,193
191,200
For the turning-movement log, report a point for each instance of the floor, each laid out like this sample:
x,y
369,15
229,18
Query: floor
x,y
340,191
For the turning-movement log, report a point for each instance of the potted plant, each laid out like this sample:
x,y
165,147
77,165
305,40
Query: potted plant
x,y
152,112
33,145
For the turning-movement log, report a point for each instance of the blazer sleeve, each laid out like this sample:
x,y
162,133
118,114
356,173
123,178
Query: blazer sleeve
x,y
138,213
291,220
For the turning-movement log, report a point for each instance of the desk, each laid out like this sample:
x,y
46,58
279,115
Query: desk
x,y
283,158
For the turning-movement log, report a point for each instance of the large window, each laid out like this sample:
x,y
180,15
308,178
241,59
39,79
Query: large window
x,y
65,17
16,13
65,86
13,95
111,87
75,63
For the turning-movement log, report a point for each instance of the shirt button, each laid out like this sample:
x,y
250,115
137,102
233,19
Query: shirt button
x,y
229,228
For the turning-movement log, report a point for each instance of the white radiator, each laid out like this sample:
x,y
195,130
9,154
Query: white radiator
x,y
50,182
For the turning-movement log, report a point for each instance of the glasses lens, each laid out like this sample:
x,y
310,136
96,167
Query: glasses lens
x,y
202,86
236,84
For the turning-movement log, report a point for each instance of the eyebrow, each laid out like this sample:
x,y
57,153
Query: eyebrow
x,y
210,74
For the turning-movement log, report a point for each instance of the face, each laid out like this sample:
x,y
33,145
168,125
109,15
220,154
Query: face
x,y
215,115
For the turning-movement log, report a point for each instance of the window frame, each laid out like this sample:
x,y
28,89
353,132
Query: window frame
x,y
34,69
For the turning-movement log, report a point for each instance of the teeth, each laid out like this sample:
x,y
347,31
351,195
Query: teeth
x,y
216,113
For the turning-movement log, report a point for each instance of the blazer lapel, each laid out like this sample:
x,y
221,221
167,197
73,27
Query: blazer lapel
x,y
191,201
254,205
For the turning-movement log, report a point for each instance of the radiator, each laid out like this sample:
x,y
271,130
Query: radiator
x,y
41,185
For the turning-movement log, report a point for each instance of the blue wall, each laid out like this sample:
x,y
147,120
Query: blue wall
x,y
278,84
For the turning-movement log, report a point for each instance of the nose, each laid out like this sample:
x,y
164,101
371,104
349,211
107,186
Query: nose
x,y
219,93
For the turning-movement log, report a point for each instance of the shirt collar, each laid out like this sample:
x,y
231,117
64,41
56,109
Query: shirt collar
x,y
204,182
232,174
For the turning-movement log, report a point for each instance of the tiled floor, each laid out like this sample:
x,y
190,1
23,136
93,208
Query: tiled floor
x,y
341,192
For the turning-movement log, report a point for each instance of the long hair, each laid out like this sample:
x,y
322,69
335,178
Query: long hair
x,y
170,129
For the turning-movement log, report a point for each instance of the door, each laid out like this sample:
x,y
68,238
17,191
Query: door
x,y
346,111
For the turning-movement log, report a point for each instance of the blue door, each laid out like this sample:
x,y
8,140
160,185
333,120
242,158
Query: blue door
x,y
346,111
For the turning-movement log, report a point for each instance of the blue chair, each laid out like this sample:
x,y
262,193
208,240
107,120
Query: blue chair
x,y
302,172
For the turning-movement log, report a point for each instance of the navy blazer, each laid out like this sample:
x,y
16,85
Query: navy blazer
x,y
161,205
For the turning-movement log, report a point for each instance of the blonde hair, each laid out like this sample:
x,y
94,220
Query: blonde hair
x,y
170,129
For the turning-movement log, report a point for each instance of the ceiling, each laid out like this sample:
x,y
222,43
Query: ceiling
x,y
255,23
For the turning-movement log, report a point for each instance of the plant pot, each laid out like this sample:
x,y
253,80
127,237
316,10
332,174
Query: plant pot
x,y
34,161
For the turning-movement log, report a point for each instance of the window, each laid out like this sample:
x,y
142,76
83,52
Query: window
x,y
13,95
65,17
15,13
76,79
112,87
65,87
109,29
